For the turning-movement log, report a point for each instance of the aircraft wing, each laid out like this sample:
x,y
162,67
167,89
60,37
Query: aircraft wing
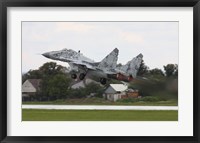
x,y
83,65
90,66
110,71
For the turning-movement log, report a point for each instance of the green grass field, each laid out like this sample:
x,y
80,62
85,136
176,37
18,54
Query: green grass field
x,y
97,115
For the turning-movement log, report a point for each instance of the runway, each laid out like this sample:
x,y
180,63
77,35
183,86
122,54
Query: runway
x,y
98,107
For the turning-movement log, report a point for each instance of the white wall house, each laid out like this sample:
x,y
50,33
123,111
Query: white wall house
x,y
30,87
115,91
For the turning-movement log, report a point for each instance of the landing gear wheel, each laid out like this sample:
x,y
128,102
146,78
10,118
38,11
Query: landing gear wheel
x,y
74,76
103,81
82,76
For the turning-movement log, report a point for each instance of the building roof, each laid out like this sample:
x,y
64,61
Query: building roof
x,y
119,87
35,82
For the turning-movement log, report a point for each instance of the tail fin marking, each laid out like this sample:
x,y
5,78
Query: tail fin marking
x,y
110,61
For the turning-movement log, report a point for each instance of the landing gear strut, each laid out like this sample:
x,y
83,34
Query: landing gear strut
x,y
103,81
74,76
82,76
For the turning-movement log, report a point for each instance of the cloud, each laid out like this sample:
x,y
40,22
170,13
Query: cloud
x,y
40,37
131,37
73,26
157,41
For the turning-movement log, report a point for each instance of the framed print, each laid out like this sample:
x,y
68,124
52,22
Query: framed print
x,y
100,71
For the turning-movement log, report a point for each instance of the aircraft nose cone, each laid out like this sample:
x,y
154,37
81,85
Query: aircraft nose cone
x,y
46,55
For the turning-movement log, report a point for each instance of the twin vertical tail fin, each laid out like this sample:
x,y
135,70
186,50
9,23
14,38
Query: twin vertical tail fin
x,y
110,61
132,66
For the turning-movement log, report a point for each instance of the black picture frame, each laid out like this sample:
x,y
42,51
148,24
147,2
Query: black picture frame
x,y
4,4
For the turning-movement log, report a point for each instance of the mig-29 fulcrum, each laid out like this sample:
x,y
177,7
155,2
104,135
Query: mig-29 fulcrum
x,y
80,66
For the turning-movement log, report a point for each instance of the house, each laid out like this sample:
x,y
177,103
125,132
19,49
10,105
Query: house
x,y
115,92
120,91
83,83
29,88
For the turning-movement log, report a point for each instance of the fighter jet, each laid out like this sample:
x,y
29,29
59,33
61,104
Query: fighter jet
x,y
79,64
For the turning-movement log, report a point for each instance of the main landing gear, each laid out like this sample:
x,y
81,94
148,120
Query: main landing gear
x,y
74,76
81,76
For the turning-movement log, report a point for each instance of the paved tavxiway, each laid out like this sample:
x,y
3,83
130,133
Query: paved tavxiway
x,y
99,107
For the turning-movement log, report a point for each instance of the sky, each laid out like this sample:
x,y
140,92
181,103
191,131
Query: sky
x,y
157,41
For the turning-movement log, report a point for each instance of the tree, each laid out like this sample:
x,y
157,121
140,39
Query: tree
x,y
143,69
54,81
157,72
171,69
176,71
46,69
31,74
55,87
94,88
51,68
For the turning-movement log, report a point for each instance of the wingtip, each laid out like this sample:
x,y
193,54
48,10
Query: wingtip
x,y
116,50
140,55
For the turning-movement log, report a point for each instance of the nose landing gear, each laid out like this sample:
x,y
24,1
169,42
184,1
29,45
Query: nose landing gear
x,y
81,76
74,76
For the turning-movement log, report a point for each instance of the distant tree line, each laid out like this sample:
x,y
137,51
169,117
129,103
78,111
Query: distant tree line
x,y
156,82
56,82
169,70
